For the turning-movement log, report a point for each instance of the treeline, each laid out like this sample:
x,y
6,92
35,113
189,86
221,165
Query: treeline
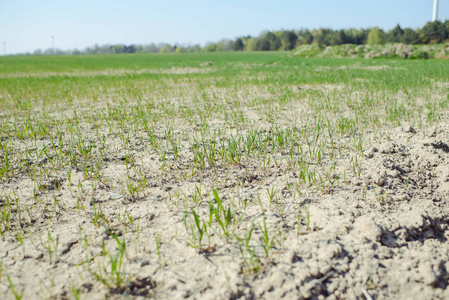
x,y
284,40
432,33
120,48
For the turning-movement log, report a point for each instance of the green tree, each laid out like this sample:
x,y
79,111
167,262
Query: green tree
x,y
167,48
395,34
410,36
116,49
268,41
129,49
376,36
195,48
224,45
237,45
446,24
319,36
354,36
288,40
338,38
211,47
433,33
324,36
251,45
304,37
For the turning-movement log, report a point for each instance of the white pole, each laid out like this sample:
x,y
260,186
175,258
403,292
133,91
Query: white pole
x,y
53,42
435,10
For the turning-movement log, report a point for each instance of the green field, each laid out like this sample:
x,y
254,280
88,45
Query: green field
x,y
62,79
115,168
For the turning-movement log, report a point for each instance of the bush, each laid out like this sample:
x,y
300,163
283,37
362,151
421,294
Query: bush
x,y
376,36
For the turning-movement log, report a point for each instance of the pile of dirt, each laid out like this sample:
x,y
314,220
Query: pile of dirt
x,y
399,50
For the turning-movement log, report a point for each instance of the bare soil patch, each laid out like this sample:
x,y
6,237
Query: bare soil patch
x,y
233,191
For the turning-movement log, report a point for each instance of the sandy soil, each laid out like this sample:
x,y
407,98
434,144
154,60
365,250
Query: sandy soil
x,y
382,234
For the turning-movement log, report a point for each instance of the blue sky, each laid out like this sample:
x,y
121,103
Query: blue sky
x,y
26,25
